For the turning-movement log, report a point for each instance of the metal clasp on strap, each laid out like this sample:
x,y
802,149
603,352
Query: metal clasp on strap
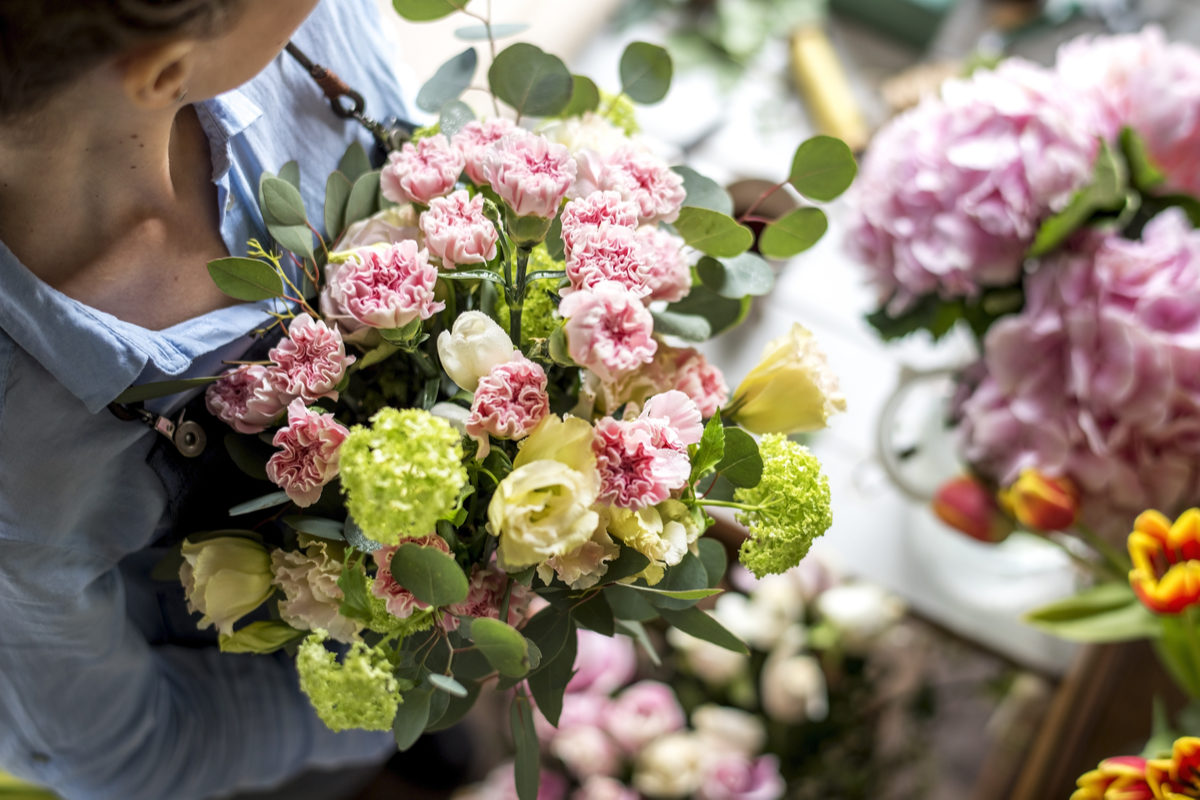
x,y
187,436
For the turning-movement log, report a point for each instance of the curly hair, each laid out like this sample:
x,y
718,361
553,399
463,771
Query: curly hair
x,y
45,44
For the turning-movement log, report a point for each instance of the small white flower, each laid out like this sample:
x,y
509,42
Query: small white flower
x,y
471,348
860,612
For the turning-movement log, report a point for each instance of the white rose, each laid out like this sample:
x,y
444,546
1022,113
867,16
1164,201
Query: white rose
x,y
776,604
859,612
725,728
670,766
714,665
471,348
793,683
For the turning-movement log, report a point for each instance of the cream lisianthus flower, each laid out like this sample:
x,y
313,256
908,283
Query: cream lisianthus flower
x,y
583,567
225,578
792,390
473,345
664,543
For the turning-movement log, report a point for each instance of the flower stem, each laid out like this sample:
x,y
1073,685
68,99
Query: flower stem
x,y
1189,627
730,504
507,599
1118,564
517,293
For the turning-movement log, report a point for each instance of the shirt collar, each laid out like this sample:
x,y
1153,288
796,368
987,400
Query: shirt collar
x,y
222,118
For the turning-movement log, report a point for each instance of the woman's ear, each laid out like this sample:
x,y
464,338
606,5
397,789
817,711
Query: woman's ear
x,y
156,76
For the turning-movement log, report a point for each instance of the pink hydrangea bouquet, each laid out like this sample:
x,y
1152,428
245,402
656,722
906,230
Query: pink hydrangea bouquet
x,y
482,413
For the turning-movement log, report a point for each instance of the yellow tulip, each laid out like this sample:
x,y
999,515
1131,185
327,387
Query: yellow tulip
x,y
792,390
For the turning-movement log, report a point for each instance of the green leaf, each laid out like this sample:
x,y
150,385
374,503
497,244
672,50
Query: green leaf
x,y
1177,650
477,33
722,313
594,614
533,82
264,636
1106,613
714,558
451,80
549,629
696,623
337,194
822,168
456,709
636,631
354,162
148,391
353,583
689,327
455,115
411,717
741,464
1105,194
526,762
793,233
432,576
447,684
1144,173
248,453
713,233
246,278
711,449
682,585
290,172
704,192
737,277
364,198
259,503
645,72
471,275
502,645
585,97
283,212
678,594
316,526
629,562
627,604
357,539
548,683
427,10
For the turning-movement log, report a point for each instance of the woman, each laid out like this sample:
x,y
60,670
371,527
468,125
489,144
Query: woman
x,y
129,158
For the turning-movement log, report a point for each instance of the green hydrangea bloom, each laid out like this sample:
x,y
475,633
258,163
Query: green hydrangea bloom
x,y
402,474
382,621
538,315
361,692
620,111
794,503
426,131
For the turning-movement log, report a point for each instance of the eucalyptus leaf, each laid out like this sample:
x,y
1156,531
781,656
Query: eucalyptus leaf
x,y
411,717
456,709
246,278
629,562
357,539
793,233
427,10
354,162
530,80
432,576
337,194
682,585
822,168
502,645
447,684
379,353
500,30
689,327
549,629
704,192
722,313
594,614
713,233
585,97
679,594
636,631
454,117
290,172
645,71
696,623
741,465
627,604
527,760
364,198
259,503
316,526
449,82
263,636
282,202
737,277
549,683
149,391
714,558
471,275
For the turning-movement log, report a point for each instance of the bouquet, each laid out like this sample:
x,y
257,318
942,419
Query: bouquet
x,y
481,412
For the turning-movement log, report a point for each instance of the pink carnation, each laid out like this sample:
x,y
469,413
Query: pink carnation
x,y
668,273
400,601
419,172
608,330
637,176
731,775
311,360
245,398
485,593
687,369
529,173
475,140
608,254
308,458
386,287
586,214
638,465
677,417
457,232
642,713
510,400
952,193
603,664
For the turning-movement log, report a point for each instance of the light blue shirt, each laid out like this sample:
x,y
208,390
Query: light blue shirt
x,y
105,691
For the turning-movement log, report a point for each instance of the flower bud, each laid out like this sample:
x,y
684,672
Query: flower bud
x,y
792,390
968,506
225,578
1042,503
471,348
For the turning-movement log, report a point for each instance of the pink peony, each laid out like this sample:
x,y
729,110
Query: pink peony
x,y
385,287
586,751
637,176
309,456
510,400
608,253
457,232
1099,69
311,360
530,173
734,776
608,330
500,784
603,664
952,193
669,272
638,465
600,787
419,172
642,713
245,398
399,600
586,214
1098,379
475,139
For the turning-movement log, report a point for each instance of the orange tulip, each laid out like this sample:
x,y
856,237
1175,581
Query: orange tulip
x,y
1042,503
1166,561
1119,778
1177,777
967,505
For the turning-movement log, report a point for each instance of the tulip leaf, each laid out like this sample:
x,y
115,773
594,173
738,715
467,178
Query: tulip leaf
x,y
264,636
527,760
741,464
1106,193
690,327
711,449
246,278
696,623
316,526
427,10
454,117
148,391
411,717
530,80
354,162
259,503
432,576
1106,613
793,233
451,80
1177,653
585,97
646,72
1144,173
713,233
704,192
822,168
549,682
502,645
476,33
737,277
364,198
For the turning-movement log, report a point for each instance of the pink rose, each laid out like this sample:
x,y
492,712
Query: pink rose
x,y
597,209
457,232
608,253
475,140
245,398
385,287
638,463
602,663
311,360
608,330
586,751
643,713
309,456
501,785
399,600
600,787
733,776
530,173
510,400
638,177
669,272
418,173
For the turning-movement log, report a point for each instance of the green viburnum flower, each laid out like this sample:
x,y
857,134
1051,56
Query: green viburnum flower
x,y
539,311
791,507
620,111
382,621
402,474
361,692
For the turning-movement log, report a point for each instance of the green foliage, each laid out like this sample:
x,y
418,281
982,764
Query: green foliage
x,y
316,526
337,195
549,681
711,449
822,168
713,233
354,162
1144,173
260,503
411,717
283,212
689,327
645,71
449,82
793,233
737,277
455,115
740,464
695,622
148,391
364,198
502,645
246,279
1109,612
526,763
530,80
704,192
585,97
1107,193
712,556
481,33
721,313
939,316
433,577
264,636
427,10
